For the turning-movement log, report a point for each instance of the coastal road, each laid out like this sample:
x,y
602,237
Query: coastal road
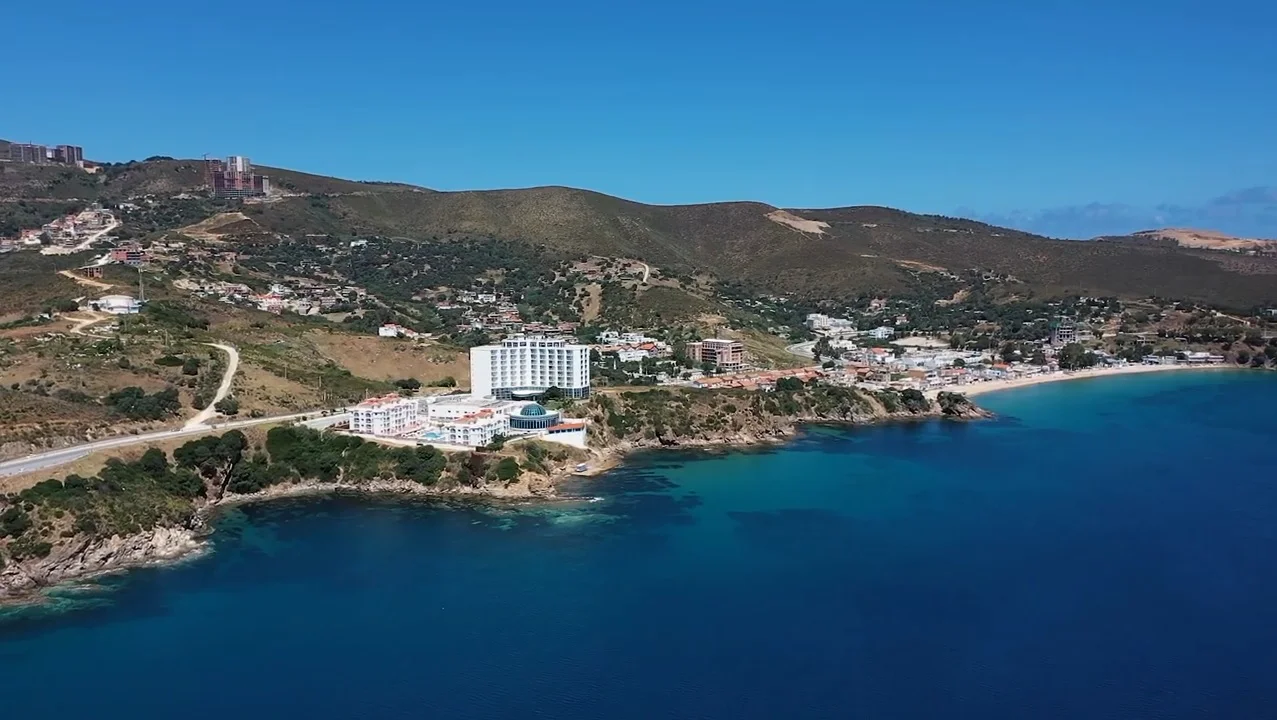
x,y
223,390
54,458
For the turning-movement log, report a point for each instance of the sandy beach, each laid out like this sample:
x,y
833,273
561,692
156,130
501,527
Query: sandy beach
x,y
995,385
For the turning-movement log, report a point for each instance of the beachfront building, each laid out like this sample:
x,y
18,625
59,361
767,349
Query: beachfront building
x,y
725,355
533,417
525,366
388,415
474,430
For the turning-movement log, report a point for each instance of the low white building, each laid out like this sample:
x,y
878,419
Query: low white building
x,y
882,333
389,415
117,305
632,355
449,407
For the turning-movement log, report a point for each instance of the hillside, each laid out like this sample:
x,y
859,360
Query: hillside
x,y
1208,240
818,252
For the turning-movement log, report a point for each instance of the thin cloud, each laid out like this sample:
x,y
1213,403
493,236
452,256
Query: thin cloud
x,y
1249,212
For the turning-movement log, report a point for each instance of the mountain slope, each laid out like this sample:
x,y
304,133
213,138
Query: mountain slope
x,y
823,252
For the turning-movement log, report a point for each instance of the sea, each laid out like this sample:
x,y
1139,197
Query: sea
x,y
1104,548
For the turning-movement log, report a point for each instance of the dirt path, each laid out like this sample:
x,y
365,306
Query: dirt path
x,y
222,391
88,282
593,303
83,322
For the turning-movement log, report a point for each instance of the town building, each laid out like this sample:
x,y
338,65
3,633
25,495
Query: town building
x,y
526,366
1063,332
824,323
727,355
234,178
388,415
132,255
883,332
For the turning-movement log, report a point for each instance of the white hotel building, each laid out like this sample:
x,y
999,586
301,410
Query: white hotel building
x,y
389,415
528,365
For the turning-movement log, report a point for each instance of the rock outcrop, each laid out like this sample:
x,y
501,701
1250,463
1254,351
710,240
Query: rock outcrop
x,y
88,557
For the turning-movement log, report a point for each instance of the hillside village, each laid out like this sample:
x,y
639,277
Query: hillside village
x,y
324,319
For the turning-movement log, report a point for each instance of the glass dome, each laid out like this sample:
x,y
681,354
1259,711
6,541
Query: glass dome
x,y
532,410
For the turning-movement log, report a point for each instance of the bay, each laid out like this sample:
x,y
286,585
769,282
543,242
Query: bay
x,y
1102,549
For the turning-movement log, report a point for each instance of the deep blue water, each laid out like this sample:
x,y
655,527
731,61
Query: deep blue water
x,y
1104,549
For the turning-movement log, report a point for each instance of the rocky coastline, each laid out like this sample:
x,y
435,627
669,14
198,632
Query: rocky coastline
x,y
83,557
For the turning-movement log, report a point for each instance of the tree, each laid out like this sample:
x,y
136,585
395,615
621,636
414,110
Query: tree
x,y
551,393
789,384
153,462
959,363
227,406
191,366
1073,357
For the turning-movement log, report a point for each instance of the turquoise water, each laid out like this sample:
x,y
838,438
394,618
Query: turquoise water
x,y
1101,550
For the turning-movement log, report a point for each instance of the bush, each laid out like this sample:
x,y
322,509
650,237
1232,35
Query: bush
x,y
227,406
914,401
168,360
135,404
507,470
191,366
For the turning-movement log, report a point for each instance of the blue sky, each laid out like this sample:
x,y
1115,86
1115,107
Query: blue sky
x,y
1024,112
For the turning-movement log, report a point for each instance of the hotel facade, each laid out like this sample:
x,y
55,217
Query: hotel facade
x,y
524,367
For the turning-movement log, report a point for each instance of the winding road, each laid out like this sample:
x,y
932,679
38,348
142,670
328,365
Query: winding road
x,y
200,420
802,349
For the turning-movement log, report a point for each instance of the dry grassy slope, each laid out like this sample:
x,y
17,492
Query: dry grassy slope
x,y
857,254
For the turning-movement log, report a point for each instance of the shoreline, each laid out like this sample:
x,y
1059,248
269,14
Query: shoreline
x,y
990,386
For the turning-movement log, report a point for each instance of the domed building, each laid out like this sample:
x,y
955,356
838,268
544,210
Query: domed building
x,y
533,417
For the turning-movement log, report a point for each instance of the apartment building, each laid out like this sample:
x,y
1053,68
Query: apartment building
x,y
525,366
69,154
28,153
727,355
388,415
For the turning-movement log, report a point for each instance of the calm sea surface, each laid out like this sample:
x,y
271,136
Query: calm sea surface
x,y
1104,549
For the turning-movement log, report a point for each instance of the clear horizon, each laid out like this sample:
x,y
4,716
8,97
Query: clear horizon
x,y
1072,122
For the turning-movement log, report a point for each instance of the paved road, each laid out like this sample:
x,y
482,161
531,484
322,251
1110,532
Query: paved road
x,y
223,390
53,458
802,349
